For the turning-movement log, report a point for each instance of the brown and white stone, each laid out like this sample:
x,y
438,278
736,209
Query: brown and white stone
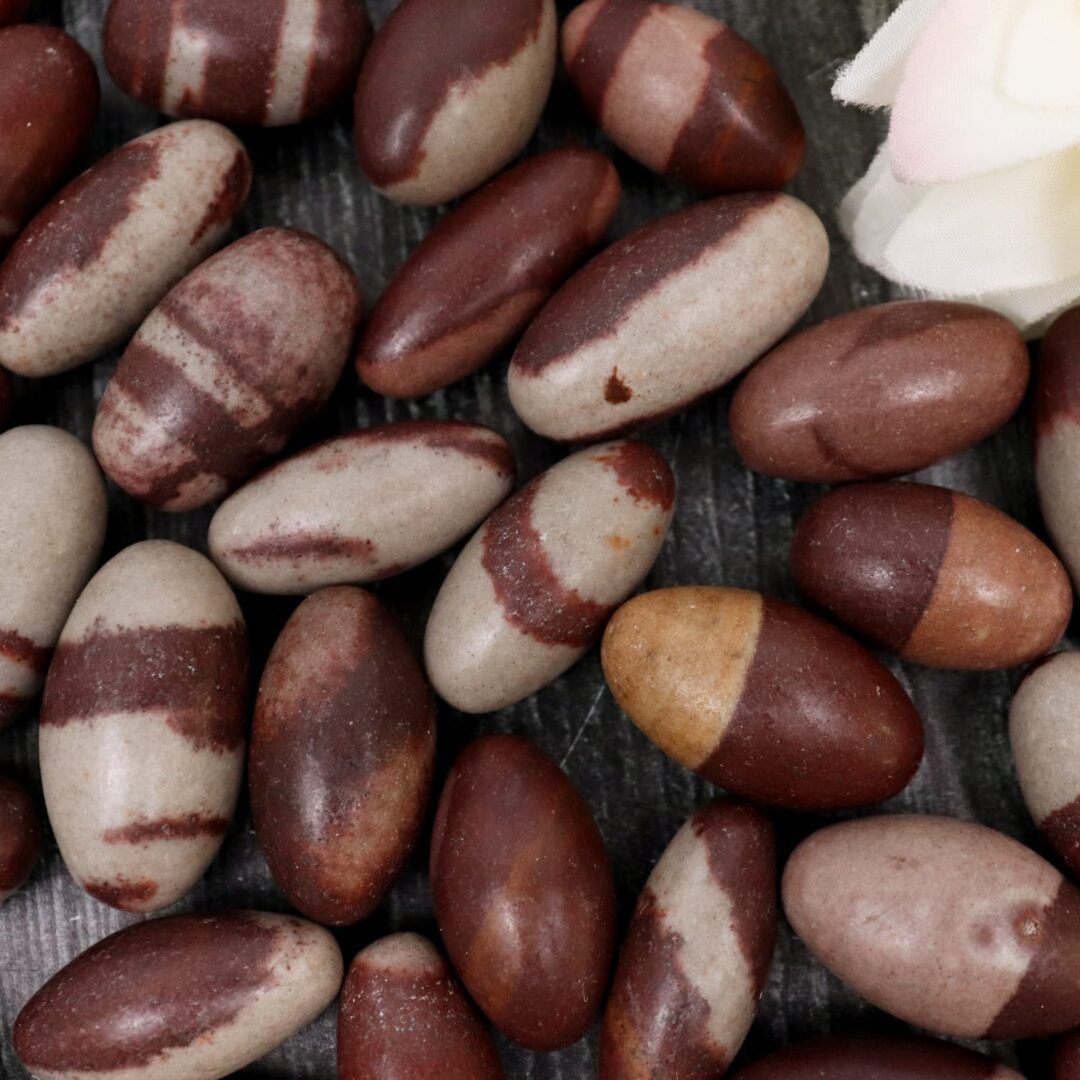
x,y
404,1016
52,527
937,576
361,506
684,94
239,355
21,834
667,315
947,925
179,998
271,63
762,698
531,591
342,754
1044,730
696,955
93,263
142,726
450,92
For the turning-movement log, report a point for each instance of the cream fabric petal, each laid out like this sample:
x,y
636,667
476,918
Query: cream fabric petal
x,y
1033,310
950,118
1012,229
1042,67
872,77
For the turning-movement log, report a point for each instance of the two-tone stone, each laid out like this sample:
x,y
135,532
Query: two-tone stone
x,y
684,94
523,892
238,356
48,104
880,391
1044,730
696,955
667,315
21,834
361,506
934,575
143,724
52,528
479,276
1057,436
270,63
403,1014
947,925
342,753
450,92
876,1057
531,591
762,698
187,996
92,264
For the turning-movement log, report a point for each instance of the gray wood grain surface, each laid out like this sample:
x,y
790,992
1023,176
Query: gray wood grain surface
x,y
731,527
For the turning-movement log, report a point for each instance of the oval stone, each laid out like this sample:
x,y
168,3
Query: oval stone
x,y
21,834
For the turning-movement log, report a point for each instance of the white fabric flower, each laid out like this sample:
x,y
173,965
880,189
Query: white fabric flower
x,y
976,192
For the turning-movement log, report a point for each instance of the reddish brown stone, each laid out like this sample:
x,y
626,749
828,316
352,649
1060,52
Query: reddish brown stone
x,y
48,104
1057,384
20,835
523,892
1067,1058
342,751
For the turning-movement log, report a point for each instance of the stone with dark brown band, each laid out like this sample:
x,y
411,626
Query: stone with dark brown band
x,y
21,834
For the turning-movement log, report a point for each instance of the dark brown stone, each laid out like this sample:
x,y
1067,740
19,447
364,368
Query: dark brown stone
x,y
21,834
1057,376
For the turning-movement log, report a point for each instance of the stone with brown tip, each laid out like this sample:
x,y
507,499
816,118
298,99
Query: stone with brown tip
x,y
269,63
697,952
21,834
405,1017
667,315
478,278
684,94
523,892
48,104
936,576
187,996
342,752
93,263
530,593
361,506
880,391
762,698
52,528
947,925
143,725
239,355
450,92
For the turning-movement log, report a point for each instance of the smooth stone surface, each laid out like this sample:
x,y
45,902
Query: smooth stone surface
x,y
192,996
1067,1058
934,575
948,925
21,834
361,506
668,314
1044,731
450,92
762,698
531,591
478,278
879,391
270,63
405,1017
51,532
523,892
1057,436
683,94
342,752
696,955
92,264
48,104
875,1057
142,726
239,355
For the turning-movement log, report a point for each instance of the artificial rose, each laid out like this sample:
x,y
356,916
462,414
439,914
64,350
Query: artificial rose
x,y
975,193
